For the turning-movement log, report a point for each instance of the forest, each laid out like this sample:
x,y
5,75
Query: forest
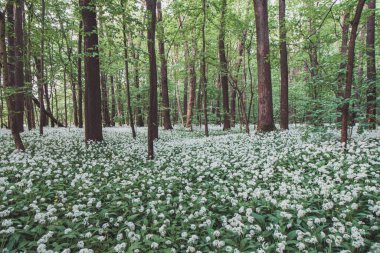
x,y
189,126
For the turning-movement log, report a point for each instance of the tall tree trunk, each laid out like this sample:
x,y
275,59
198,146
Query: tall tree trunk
x,y
127,83
65,94
371,66
28,77
113,101
19,66
265,122
93,124
237,91
233,106
69,53
104,97
120,108
350,69
203,67
217,111
164,69
193,84
8,72
153,110
79,67
186,80
224,68
284,110
343,64
138,111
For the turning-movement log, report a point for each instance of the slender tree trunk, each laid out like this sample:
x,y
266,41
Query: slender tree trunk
x,y
371,66
127,83
73,87
233,106
138,112
69,53
284,110
79,67
186,80
120,108
113,101
93,124
217,111
193,84
350,69
104,97
343,64
19,66
28,78
153,110
265,122
164,69
203,67
65,94
224,69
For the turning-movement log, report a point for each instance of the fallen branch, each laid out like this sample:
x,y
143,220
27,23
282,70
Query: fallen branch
x,y
35,100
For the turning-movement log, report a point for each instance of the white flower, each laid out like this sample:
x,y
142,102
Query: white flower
x,y
154,245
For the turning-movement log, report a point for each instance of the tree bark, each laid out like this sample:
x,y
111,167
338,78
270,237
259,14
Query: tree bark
x,y
193,84
79,66
19,66
7,64
371,66
203,67
65,93
120,108
127,83
186,80
93,124
104,97
164,69
113,101
265,121
350,70
343,64
284,110
28,77
153,110
224,69
138,111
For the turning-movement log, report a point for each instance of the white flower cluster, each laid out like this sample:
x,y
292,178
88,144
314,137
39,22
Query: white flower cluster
x,y
279,192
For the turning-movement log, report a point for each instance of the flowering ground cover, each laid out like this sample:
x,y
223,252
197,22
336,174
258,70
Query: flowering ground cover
x,y
292,191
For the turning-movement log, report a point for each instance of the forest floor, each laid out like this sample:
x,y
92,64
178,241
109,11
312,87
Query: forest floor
x,y
278,192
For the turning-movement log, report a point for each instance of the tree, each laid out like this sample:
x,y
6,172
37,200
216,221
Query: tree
x,y
343,64
284,111
138,111
164,69
193,86
93,119
265,120
203,67
224,68
8,71
126,68
350,69
153,110
371,66
79,66
19,63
